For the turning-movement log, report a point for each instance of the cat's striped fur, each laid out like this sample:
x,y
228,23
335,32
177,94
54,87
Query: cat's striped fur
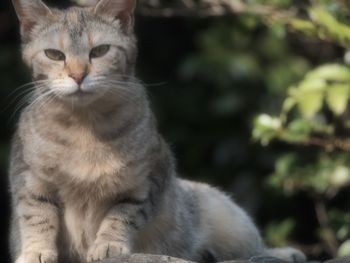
x,y
90,175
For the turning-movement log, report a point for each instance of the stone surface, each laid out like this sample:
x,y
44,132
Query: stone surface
x,y
143,258
339,260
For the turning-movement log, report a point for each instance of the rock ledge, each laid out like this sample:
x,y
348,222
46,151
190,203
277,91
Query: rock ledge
x,y
146,258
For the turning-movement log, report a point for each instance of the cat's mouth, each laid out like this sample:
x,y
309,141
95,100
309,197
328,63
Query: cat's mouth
x,y
80,96
80,92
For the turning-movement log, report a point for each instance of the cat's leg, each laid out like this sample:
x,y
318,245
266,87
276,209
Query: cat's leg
x,y
130,214
38,222
118,228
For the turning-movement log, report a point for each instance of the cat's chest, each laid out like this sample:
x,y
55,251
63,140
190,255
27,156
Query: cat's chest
x,y
77,155
88,160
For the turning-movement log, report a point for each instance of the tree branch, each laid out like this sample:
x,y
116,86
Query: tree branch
x,y
329,237
207,8
329,144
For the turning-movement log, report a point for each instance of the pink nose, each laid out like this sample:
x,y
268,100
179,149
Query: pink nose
x,y
78,77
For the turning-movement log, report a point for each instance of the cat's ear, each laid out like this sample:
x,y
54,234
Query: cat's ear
x,y
28,12
120,9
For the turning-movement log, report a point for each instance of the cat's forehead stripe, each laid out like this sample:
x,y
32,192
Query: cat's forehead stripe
x,y
75,22
61,41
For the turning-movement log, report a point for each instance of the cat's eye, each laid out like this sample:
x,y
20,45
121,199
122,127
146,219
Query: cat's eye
x,y
99,51
55,54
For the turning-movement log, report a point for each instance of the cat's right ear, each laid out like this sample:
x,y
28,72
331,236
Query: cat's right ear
x,y
120,9
28,12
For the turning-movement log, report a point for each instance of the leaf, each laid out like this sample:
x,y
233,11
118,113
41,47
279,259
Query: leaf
x,y
330,72
344,249
337,97
304,26
298,130
340,176
310,103
266,128
330,26
312,82
309,96
288,104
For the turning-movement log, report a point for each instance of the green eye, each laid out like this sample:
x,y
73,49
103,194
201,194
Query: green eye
x,y
99,51
55,54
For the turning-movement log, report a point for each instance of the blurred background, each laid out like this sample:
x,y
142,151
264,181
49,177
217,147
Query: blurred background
x,y
251,95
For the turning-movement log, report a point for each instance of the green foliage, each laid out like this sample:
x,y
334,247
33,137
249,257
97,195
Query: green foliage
x,y
344,249
313,120
330,83
266,128
278,233
326,86
324,173
329,26
340,221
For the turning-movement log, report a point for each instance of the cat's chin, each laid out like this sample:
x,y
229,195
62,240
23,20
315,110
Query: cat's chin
x,y
80,98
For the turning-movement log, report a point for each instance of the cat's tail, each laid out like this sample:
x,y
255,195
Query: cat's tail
x,y
286,253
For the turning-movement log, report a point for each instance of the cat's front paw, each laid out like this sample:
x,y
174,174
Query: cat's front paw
x,y
102,250
47,256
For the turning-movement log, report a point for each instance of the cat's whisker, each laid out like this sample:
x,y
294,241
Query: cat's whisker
x,y
117,90
112,85
133,79
13,100
46,99
22,87
121,85
27,88
40,98
31,92
125,97
49,99
98,78
24,100
118,76
33,83
40,101
21,103
124,81
121,96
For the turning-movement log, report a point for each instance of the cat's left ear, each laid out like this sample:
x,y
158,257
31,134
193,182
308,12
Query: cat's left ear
x,y
28,12
120,9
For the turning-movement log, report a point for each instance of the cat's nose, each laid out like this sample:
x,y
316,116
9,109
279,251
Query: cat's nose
x,y
78,76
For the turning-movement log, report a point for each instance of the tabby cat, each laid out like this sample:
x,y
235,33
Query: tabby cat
x,y
90,175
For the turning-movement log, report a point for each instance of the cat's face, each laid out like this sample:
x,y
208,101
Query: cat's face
x,y
80,54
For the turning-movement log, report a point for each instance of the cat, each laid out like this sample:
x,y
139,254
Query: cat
x,y
90,176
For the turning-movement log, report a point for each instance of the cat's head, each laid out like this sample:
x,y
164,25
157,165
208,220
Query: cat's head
x,y
79,54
